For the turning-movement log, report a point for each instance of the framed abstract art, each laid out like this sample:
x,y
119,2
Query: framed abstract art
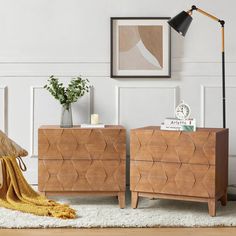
x,y
140,47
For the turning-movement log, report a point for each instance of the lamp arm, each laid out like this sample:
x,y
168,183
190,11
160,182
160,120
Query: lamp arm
x,y
206,14
222,22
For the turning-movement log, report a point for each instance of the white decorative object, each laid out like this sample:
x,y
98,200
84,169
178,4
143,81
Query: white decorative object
x,y
94,119
92,126
182,111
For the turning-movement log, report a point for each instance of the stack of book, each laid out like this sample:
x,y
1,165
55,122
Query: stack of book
x,y
179,125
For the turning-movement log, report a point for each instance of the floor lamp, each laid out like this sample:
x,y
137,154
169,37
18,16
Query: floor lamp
x,y
181,23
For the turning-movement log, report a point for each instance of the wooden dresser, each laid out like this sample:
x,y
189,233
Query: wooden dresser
x,y
75,161
180,165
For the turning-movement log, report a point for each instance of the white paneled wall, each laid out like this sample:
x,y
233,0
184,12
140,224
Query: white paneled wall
x,y
3,108
72,37
161,101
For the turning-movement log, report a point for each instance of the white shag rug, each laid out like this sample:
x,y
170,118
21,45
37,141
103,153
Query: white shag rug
x,y
105,212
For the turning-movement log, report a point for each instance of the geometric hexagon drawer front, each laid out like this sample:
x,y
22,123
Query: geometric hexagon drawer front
x,y
81,175
173,178
83,144
173,146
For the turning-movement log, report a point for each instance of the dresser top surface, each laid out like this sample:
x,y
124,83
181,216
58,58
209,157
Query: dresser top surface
x,y
216,130
78,127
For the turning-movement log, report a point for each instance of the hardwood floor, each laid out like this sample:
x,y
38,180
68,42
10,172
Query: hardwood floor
x,y
121,232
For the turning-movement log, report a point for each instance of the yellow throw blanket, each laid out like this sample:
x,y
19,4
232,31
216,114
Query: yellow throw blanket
x,y
17,194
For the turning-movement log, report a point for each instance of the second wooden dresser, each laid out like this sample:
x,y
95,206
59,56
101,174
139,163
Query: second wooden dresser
x,y
180,165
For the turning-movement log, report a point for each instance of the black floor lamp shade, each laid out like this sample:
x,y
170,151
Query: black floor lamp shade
x,y
181,22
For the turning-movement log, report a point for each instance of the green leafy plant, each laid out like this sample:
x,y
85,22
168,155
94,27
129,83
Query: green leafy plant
x,y
67,95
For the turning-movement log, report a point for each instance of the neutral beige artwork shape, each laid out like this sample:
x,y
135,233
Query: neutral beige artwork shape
x,y
140,47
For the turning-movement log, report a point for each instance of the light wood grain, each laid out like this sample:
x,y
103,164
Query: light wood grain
x,y
173,197
82,144
122,232
134,199
80,193
81,175
121,199
212,207
79,161
179,165
173,178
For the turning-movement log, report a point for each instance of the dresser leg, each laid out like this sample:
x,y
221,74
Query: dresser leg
x,y
134,199
121,199
212,207
223,200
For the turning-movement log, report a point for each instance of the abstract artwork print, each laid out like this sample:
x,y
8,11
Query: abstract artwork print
x,y
140,48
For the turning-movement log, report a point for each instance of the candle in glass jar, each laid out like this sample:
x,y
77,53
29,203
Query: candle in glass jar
x,y
94,119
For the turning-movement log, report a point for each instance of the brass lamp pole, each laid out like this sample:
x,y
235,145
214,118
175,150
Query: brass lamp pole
x,y
181,23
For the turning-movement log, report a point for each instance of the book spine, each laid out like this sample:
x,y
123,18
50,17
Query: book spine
x,y
179,127
176,128
179,122
188,128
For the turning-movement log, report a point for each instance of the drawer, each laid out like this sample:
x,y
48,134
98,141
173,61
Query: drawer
x,y
173,146
173,178
82,144
81,175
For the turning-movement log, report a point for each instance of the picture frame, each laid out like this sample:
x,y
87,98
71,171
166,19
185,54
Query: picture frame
x,y
140,47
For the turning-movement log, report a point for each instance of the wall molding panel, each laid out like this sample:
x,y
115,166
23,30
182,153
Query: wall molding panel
x,y
230,124
32,115
58,69
203,99
175,98
3,108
